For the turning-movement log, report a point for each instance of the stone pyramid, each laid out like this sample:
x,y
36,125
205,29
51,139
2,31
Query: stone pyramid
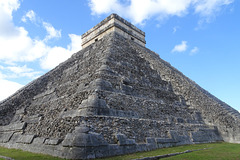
x,y
113,97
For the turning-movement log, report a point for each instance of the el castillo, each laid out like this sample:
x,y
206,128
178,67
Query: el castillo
x,y
113,97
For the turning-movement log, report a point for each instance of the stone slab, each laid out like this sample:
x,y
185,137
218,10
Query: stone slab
x,y
39,140
52,141
150,140
165,140
122,140
13,127
5,137
83,140
27,139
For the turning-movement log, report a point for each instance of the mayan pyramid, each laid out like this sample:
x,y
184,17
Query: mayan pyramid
x,y
113,97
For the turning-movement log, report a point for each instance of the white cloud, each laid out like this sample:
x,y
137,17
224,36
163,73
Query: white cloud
x,y
29,15
51,31
140,10
180,47
194,51
208,7
175,29
18,71
57,55
75,44
105,6
8,88
7,6
22,71
18,46
1,75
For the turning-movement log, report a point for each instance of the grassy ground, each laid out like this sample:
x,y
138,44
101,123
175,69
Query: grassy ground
x,y
23,155
224,151
215,151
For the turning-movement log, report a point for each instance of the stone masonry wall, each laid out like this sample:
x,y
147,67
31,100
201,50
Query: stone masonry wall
x,y
214,111
113,97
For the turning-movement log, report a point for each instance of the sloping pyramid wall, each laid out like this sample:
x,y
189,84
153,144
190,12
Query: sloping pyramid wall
x,y
113,97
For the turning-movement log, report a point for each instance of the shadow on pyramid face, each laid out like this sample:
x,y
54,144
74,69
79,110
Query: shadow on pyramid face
x,y
113,97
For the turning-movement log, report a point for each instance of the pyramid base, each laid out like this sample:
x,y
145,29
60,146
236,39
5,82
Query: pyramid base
x,y
85,143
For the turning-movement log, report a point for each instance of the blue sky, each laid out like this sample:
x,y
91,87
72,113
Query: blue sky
x,y
201,38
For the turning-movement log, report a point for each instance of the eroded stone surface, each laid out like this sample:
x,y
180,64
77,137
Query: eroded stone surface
x,y
113,97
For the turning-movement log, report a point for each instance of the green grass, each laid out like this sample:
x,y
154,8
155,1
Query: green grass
x,y
224,151
23,155
215,151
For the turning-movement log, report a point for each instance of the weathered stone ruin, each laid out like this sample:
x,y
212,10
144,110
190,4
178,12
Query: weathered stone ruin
x,y
113,97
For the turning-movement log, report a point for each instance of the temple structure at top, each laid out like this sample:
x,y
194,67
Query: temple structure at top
x,y
113,23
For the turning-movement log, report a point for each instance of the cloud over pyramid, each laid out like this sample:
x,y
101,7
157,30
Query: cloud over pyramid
x,y
113,97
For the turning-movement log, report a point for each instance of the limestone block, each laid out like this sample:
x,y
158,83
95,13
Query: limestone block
x,y
127,142
83,139
82,129
74,153
129,149
200,136
151,146
15,137
52,141
39,140
101,84
114,149
105,68
16,118
150,140
102,151
93,111
75,140
166,145
97,139
13,127
71,113
205,135
93,102
121,113
20,111
122,140
184,139
165,140
174,135
33,119
5,137
130,142
141,147
27,139
160,145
